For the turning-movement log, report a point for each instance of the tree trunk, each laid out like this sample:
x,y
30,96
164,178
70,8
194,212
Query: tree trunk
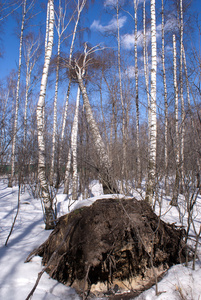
x,y
137,102
176,186
31,57
166,103
55,102
146,72
124,141
80,7
49,213
74,146
17,98
109,184
181,96
153,125
67,173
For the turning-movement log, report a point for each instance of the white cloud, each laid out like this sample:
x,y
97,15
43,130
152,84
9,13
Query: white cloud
x,y
112,25
130,72
128,40
110,2
113,2
171,24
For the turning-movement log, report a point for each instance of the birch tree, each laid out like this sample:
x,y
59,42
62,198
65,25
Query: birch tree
x,y
105,172
176,186
31,51
181,93
146,69
153,125
79,8
74,146
17,96
137,99
47,202
123,171
55,98
61,28
165,99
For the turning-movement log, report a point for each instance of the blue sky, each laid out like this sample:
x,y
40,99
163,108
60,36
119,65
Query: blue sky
x,y
99,19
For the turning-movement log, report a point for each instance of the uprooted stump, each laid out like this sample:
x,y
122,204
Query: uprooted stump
x,y
111,247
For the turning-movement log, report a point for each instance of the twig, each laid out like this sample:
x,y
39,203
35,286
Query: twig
x,y
50,260
18,208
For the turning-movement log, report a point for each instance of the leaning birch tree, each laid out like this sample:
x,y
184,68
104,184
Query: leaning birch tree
x,y
45,195
105,172
153,126
74,135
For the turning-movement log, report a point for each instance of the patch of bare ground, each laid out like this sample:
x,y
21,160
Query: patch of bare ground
x,y
114,248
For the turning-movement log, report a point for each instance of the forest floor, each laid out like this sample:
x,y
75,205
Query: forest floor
x,y
18,278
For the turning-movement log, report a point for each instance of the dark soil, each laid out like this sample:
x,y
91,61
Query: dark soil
x,y
111,247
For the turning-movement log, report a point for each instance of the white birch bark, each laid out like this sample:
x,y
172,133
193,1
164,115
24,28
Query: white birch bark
x,y
79,11
123,171
31,51
109,184
17,98
181,93
146,69
49,214
74,134
2,123
55,101
176,100
80,7
176,187
67,173
165,100
186,76
153,125
137,100
47,26
72,153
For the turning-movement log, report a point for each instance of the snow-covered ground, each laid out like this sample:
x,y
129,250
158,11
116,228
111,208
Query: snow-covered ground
x,y
18,278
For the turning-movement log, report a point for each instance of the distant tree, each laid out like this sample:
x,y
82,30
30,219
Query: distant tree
x,y
165,99
137,98
31,53
17,95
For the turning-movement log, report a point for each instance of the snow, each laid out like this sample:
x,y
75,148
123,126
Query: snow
x,y
18,278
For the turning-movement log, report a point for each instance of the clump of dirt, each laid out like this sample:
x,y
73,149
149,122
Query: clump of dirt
x,y
111,247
